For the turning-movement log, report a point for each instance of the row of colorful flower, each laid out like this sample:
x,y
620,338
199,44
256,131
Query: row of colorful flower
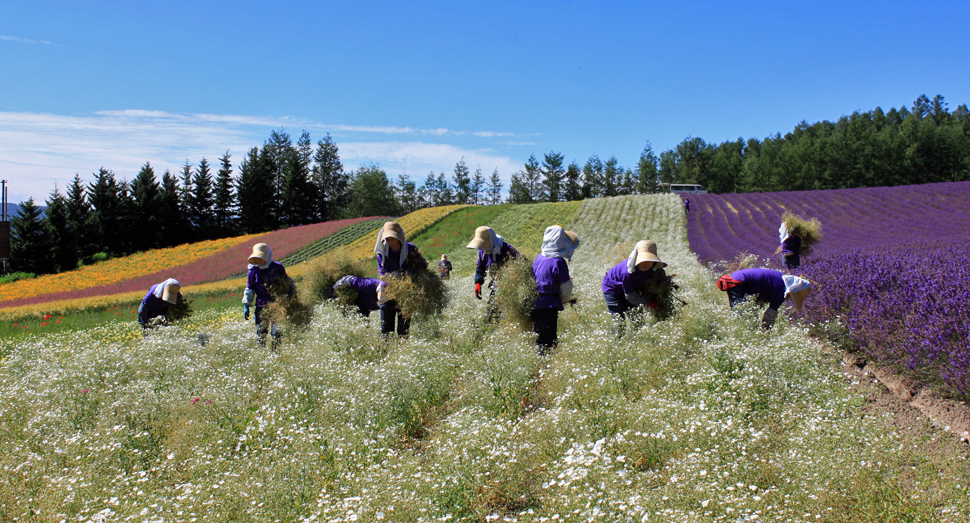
x,y
413,224
127,276
113,271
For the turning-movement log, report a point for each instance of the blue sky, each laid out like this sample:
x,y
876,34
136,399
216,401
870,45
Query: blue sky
x,y
416,88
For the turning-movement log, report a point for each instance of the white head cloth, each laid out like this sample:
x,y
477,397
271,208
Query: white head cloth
x,y
795,284
382,248
556,244
161,287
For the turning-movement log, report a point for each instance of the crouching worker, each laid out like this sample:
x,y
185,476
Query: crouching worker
x,y
553,285
493,253
156,303
368,292
621,284
765,285
264,274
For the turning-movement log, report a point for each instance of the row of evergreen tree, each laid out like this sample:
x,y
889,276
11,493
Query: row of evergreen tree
x,y
284,184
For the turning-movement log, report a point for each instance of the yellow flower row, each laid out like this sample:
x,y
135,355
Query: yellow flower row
x,y
413,225
118,269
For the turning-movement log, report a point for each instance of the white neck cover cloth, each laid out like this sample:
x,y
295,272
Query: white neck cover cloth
x,y
795,284
161,287
497,242
382,248
631,261
555,244
269,254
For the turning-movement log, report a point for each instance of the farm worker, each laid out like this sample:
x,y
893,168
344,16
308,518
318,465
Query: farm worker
x,y
621,283
263,272
553,284
444,267
686,204
160,296
395,257
493,253
766,285
368,292
791,246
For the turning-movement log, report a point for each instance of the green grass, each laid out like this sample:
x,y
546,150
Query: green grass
x,y
60,321
455,231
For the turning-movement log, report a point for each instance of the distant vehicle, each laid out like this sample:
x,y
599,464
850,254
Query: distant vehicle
x,y
687,188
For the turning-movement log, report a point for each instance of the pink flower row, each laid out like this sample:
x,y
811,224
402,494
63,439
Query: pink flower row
x,y
219,266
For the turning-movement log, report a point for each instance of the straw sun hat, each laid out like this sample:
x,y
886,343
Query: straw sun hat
x,y
647,251
170,293
392,230
482,240
261,254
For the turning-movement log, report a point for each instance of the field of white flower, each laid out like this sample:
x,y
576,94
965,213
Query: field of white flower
x,y
703,417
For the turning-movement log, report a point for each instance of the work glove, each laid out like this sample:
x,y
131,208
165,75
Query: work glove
x,y
478,290
246,311
654,305
328,293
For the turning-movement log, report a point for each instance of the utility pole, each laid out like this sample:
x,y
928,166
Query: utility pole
x,y
4,227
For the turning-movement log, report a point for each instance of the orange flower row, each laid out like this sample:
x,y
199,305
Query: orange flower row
x,y
116,270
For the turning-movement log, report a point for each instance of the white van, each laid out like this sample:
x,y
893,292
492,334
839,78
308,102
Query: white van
x,y
687,188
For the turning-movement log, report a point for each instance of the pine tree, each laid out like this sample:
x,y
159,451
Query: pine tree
x,y
462,183
146,196
225,198
201,202
495,188
532,180
443,194
255,191
478,188
276,151
77,215
104,221
519,189
185,188
406,192
593,178
63,239
30,242
172,220
331,182
298,193
573,190
612,177
553,175
647,177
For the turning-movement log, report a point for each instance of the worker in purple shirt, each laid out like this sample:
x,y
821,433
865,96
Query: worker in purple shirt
x,y
395,257
493,253
766,285
160,296
553,284
791,248
621,284
368,292
263,272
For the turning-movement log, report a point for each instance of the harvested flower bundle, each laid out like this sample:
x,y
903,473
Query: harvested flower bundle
x,y
418,292
515,292
809,230
660,288
181,309
323,273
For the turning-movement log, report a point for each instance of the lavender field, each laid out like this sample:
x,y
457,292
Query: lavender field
x,y
892,266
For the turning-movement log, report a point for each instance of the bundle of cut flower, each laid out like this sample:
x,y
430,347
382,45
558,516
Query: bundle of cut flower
x,y
660,288
182,308
419,292
515,292
286,306
809,230
323,272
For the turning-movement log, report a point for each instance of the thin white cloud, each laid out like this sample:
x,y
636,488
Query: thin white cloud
x,y
24,40
38,150
490,134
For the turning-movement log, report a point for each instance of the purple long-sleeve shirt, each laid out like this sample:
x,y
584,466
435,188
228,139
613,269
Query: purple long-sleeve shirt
x,y
767,284
619,282
258,279
791,245
549,274
487,260
366,292
392,263
153,305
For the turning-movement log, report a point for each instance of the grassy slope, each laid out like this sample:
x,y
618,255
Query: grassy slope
x,y
702,417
